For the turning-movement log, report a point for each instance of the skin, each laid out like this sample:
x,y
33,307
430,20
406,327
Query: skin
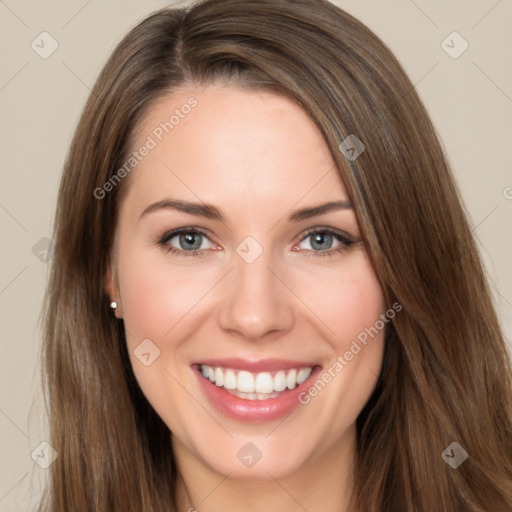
x,y
257,157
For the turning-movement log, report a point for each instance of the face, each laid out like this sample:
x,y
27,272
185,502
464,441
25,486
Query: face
x,y
245,306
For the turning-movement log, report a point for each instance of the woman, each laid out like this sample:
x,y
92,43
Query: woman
x,y
254,371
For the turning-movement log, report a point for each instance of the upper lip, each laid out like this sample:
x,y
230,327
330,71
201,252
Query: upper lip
x,y
262,365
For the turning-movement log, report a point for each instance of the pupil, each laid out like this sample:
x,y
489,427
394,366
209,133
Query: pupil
x,y
188,239
320,239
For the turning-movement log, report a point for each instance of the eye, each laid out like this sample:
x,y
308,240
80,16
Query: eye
x,y
193,242
190,242
322,240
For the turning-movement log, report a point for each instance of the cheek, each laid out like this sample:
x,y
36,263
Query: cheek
x,y
360,341
346,301
351,309
359,306
155,294
155,298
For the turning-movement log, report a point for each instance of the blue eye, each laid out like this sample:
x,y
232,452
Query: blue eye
x,y
187,238
320,240
191,242
323,238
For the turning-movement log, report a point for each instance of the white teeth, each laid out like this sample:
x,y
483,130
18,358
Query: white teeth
x,y
219,377
303,374
291,379
257,386
245,382
264,383
280,381
229,379
253,396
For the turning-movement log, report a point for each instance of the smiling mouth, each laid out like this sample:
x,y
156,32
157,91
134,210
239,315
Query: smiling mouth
x,y
255,386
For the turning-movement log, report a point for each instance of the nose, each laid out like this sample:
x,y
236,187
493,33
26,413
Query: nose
x,y
256,303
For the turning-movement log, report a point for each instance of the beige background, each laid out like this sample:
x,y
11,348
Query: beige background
x,y
469,99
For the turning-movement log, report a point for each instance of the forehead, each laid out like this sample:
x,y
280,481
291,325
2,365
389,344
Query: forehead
x,y
223,143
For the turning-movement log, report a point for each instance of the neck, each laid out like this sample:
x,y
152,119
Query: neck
x,y
323,483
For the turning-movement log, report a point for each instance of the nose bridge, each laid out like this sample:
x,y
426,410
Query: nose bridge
x,y
256,302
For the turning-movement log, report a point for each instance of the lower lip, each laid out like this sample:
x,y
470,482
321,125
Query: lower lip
x,y
254,411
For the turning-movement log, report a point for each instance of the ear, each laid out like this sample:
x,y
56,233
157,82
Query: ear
x,y
112,289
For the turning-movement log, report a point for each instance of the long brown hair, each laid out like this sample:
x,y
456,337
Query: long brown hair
x,y
446,375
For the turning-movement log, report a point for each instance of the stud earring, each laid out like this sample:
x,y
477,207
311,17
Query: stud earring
x,y
113,305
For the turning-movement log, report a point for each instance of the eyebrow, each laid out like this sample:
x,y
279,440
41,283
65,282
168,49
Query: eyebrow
x,y
212,212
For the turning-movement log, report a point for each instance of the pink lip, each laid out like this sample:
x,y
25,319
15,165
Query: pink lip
x,y
253,411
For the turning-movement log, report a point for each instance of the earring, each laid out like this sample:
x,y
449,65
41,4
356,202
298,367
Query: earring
x,y
113,305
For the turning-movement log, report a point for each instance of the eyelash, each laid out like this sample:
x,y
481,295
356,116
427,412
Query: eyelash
x,y
345,242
